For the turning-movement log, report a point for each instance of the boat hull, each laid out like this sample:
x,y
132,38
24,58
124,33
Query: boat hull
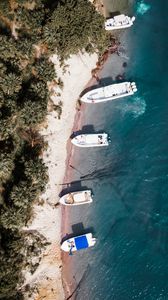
x,y
78,243
77,198
110,92
118,27
119,22
91,140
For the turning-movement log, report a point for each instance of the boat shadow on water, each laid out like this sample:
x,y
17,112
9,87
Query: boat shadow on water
x,y
113,14
73,187
87,129
100,83
77,230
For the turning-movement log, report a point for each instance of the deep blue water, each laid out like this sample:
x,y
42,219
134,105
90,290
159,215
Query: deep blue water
x,y
129,215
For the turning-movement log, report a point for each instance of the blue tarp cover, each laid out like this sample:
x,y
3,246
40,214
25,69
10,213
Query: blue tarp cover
x,y
81,242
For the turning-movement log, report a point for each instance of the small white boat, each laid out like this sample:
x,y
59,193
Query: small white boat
x,y
77,198
79,242
119,22
109,92
91,140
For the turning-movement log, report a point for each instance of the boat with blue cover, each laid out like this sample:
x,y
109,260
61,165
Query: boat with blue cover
x,y
78,243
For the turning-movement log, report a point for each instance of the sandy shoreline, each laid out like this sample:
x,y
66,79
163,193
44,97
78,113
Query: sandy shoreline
x,y
46,281
68,282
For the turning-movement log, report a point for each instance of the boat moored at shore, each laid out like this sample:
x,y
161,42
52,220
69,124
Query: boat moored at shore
x,y
78,243
76,198
91,140
119,22
109,92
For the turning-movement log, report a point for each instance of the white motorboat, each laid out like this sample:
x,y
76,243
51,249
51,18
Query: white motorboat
x,y
77,198
119,22
109,92
91,140
79,242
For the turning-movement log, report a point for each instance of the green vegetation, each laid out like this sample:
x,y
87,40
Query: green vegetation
x,y
73,26
30,31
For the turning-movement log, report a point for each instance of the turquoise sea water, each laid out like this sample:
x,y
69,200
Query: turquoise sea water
x,y
129,215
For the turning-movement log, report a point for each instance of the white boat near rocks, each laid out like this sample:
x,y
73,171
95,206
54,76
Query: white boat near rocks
x,y
109,92
76,198
119,22
91,140
78,243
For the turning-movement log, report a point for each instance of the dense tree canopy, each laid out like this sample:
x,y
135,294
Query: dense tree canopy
x,y
73,26
30,31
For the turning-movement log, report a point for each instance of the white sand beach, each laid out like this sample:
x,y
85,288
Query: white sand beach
x,y
46,280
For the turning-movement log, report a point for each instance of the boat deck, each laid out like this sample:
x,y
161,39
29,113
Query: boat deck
x,y
81,197
91,139
120,21
111,91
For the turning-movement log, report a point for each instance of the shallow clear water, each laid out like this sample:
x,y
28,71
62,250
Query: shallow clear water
x,y
112,6
129,215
